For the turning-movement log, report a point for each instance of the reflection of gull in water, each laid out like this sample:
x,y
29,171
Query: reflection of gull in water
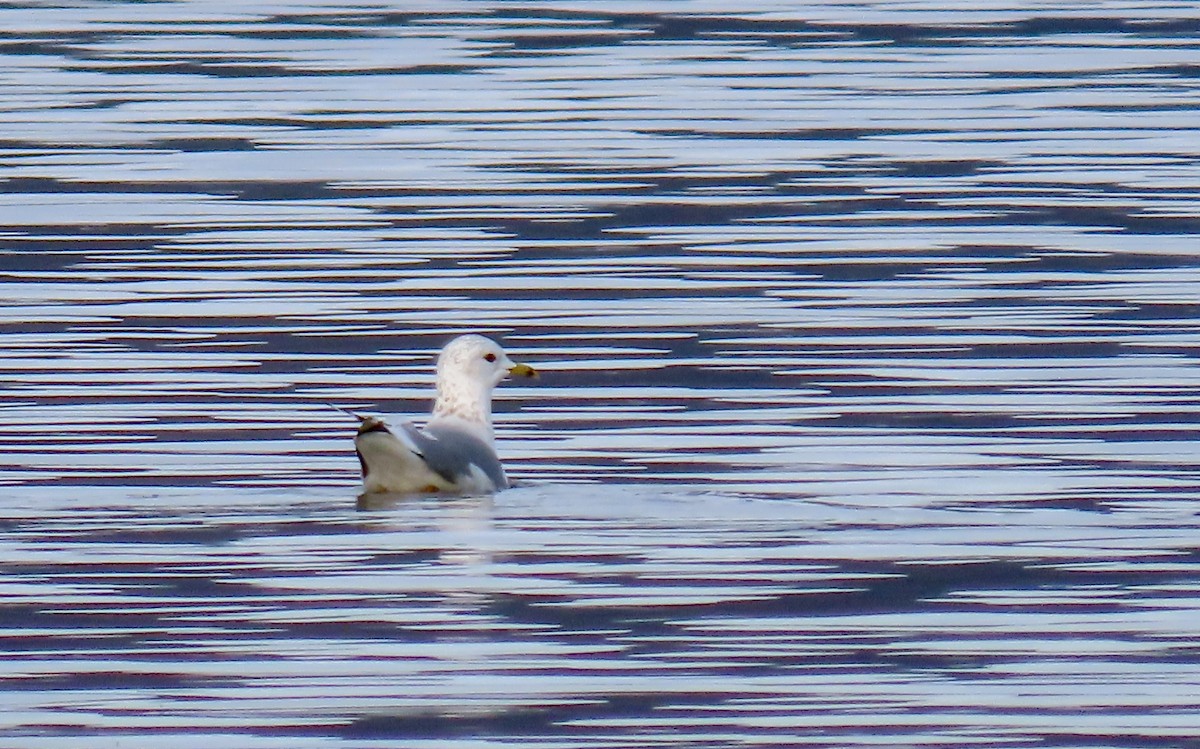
x,y
454,453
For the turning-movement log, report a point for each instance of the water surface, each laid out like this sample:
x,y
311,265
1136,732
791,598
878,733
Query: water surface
x,y
869,401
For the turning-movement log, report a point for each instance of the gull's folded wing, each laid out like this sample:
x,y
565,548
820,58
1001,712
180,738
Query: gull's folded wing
x,y
440,458
457,455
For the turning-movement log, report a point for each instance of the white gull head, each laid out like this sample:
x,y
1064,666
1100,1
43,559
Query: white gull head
x,y
468,369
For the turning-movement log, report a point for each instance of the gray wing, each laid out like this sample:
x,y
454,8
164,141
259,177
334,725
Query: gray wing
x,y
451,452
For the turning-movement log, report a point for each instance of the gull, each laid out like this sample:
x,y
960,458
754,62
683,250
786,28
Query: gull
x,y
455,452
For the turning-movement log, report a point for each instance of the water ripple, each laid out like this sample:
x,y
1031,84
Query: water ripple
x,y
869,403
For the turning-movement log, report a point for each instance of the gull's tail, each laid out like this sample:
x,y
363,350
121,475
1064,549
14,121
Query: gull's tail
x,y
390,459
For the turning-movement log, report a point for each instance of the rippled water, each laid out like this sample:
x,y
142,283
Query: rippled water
x,y
869,335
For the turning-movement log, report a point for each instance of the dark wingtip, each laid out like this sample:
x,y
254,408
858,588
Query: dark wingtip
x,y
371,424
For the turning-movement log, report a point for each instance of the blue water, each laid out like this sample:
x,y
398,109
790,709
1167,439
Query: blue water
x,y
869,402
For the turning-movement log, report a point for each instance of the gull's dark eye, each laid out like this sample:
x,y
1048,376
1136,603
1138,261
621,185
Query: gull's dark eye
x,y
490,357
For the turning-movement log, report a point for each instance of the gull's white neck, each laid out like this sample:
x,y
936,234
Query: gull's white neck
x,y
467,402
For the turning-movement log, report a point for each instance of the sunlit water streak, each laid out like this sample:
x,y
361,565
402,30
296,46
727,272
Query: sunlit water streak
x,y
869,405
